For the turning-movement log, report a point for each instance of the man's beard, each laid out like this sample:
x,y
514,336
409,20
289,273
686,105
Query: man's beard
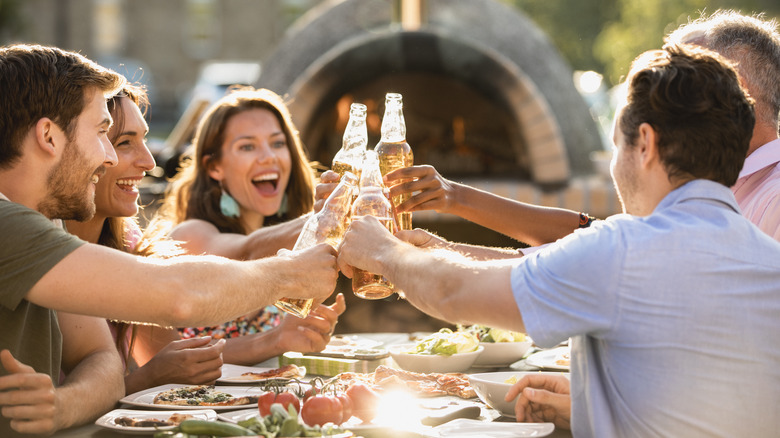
x,y
68,198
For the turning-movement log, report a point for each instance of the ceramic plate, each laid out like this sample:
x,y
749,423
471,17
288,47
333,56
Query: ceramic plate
x,y
145,398
553,359
108,421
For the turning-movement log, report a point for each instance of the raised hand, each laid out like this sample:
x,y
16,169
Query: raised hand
x,y
28,398
308,273
433,191
542,398
313,332
328,182
194,361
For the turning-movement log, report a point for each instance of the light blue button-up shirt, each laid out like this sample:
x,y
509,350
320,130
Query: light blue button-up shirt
x,y
674,319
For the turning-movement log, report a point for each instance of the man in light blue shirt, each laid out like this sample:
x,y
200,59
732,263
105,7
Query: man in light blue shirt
x,y
673,308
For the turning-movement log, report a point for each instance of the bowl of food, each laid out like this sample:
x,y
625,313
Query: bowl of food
x,y
432,363
502,347
491,388
442,352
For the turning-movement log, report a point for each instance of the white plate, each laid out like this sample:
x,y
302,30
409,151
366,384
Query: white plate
x,y
548,359
236,416
145,398
108,421
471,428
353,341
231,374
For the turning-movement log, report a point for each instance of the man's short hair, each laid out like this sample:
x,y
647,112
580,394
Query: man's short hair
x,y
38,82
752,43
693,100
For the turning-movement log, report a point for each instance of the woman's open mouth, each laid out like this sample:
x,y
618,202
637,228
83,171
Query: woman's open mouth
x,y
266,183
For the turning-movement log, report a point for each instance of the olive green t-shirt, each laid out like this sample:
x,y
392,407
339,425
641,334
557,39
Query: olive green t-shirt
x,y
30,245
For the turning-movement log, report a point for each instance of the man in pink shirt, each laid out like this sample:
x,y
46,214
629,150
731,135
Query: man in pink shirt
x,y
754,45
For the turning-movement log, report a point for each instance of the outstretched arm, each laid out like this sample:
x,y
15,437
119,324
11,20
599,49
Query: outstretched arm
x,y
185,291
455,288
528,223
202,237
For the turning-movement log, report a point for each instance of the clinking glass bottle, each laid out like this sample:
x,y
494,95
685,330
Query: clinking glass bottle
x,y
372,201
328,225
353,146
393,150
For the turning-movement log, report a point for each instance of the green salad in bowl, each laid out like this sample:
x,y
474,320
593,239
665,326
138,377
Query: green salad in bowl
x,y
501,347
446,342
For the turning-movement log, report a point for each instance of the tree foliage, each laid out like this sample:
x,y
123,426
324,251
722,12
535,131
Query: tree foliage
x,y
606,35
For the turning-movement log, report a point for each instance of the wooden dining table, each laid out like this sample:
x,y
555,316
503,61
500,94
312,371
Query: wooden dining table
x,y
386,339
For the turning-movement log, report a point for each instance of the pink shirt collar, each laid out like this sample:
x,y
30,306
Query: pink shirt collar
x,y
762,157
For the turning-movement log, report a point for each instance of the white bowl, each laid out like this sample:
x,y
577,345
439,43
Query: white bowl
x,y
491,388
502,354
433,363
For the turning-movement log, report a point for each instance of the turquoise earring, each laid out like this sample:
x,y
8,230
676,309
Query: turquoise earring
x,y
283,206
227,205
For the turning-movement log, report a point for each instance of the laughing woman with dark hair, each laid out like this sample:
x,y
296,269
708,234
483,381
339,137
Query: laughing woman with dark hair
x,y
244,192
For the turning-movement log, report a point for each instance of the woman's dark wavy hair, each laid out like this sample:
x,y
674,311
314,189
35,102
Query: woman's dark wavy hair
x,y
193,194
702,116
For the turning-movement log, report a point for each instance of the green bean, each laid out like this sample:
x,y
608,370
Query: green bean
x,y
216,428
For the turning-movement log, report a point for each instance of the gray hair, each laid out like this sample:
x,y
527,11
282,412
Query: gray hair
x,y
752,43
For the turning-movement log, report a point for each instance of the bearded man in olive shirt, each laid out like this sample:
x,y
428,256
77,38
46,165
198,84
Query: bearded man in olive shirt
x,y
53,149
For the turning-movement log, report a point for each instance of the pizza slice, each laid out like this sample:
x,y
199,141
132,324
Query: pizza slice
x,y
200,395
290,371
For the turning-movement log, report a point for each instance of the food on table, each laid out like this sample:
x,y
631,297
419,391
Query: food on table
x,y
421,384
322,409
200,395
364,401
563,359
285,398
289,371
487,334
446,342
151,422
286,423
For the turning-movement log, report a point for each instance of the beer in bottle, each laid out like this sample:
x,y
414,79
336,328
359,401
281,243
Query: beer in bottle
x,y
328,225
372,201
393,150
350,157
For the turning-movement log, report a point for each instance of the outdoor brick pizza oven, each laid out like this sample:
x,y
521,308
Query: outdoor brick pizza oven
x,y
488,101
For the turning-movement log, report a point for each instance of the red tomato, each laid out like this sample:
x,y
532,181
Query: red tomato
x,y
364,401
286,399
310,392
346,407
321,409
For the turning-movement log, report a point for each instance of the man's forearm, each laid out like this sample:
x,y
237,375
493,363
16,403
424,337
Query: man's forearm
x,y
90,390
455,288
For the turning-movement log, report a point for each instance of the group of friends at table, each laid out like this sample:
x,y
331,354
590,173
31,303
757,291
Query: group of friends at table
x,y
673,307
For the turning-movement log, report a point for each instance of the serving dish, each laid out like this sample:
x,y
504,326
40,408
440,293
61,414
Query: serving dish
x,y
433,363
491,388
502,354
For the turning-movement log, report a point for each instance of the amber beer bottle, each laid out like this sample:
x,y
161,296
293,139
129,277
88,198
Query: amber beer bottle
x,y
329,225
353,146
372,201
393,150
